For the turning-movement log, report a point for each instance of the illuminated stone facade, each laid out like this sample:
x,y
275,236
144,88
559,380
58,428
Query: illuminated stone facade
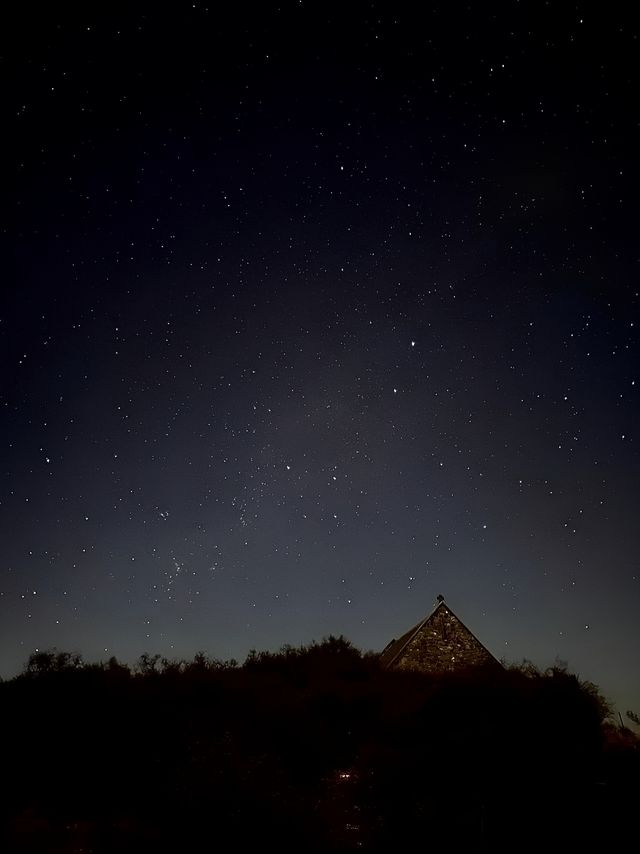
x,y
438,643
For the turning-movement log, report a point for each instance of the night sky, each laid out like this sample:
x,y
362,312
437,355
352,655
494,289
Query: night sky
x,y
312,312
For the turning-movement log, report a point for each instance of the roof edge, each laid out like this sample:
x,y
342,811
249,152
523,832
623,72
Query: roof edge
x,y
405,639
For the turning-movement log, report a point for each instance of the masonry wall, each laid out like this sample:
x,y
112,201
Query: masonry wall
x,y
443,643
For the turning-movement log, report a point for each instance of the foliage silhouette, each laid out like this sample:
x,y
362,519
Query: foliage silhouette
x,y
634,718
313,747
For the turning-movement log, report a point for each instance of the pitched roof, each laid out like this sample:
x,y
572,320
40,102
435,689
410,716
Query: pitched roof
x,y
440,641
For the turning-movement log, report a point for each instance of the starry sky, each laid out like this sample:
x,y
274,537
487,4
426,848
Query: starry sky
x,y
313,311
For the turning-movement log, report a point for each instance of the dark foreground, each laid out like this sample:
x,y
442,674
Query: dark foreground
x,y
308,750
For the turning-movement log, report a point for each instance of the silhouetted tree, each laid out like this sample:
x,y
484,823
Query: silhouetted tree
x,y
634,718
312,747
52,661
149,664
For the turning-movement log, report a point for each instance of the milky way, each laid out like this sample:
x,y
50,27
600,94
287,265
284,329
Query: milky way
x,y
316,313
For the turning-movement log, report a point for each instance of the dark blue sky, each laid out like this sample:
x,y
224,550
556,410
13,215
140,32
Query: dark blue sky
x,y
317,313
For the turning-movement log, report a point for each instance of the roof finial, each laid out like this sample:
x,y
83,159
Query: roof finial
x,y
440,597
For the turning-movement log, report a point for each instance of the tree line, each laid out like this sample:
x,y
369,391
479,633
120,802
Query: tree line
x,y
313,748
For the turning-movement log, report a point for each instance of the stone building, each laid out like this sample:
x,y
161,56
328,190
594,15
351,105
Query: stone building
x,y
438,643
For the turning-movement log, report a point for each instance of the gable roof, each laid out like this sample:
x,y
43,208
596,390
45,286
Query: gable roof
x,y
440,641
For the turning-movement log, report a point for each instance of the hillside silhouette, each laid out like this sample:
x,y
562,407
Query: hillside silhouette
x,y
313,748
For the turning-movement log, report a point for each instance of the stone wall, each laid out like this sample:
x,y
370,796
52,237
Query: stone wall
x,y
443,643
